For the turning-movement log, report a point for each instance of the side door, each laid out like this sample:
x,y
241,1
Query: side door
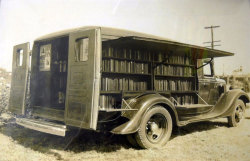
x,y
20,68
83,79
207,84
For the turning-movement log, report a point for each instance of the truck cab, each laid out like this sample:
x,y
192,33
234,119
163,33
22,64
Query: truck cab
x,y
119,81
210,87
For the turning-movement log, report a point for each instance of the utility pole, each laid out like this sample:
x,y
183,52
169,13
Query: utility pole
x,y
212,37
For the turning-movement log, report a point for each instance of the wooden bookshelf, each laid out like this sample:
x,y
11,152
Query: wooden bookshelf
x,y
124,74
110,92
184,65
173,76
128,72
123,66
126,59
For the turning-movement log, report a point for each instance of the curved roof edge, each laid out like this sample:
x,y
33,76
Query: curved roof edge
x,y
105,30
128,33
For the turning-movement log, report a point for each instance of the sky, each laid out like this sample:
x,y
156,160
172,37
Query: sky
x,y
180,20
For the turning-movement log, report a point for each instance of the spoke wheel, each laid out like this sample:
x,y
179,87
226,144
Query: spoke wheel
x,y
155,128
238,115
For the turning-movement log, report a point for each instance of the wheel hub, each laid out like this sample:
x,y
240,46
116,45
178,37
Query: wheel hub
x,y
156,126
238,114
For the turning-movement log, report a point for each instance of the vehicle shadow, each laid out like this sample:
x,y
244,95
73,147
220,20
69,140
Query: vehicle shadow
x,y
198,127
82,141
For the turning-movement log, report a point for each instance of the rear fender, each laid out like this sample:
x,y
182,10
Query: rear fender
x,y
225,105
143,104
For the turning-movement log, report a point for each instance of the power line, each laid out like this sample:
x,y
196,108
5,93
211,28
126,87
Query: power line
x,y
212,37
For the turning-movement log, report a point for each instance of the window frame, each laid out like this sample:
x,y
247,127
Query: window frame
x,y
80,49
19,57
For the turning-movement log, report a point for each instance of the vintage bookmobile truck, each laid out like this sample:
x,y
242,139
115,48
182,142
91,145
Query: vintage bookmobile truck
x,y
124,82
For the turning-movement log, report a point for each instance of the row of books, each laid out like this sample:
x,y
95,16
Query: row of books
x,y
165,57
126,53
107,102
137,54
177,85
125,84
173,70
111,65
186,99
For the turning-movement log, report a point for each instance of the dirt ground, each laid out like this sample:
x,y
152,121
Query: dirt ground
x,y
212,140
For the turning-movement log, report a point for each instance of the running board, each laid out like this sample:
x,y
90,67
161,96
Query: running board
x,y
193,109
42,126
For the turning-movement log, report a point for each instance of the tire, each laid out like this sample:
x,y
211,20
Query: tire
x,y
155,128
238,114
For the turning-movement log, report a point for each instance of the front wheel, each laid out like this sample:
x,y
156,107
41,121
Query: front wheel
x,y
155,128
238,114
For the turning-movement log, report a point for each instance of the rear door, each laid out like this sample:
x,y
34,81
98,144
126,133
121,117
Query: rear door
x,y
83,79
20,67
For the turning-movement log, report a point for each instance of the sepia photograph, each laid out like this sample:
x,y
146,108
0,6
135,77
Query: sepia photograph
x,y
128,80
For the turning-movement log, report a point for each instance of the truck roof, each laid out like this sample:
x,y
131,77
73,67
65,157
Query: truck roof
x,y
146,39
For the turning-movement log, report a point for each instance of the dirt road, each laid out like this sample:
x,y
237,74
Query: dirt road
x,y
200,141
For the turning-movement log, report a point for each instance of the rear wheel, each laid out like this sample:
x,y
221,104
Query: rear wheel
x,y
155,128
238,114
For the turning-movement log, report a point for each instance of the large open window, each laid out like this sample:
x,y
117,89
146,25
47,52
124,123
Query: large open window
x,y
82,49
19,58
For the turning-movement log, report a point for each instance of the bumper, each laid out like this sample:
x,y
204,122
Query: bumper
x,y
42,126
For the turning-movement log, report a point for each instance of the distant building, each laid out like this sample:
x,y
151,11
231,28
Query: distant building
x,y
238,80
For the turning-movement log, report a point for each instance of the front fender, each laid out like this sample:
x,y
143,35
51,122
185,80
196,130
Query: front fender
x,y
225,105
143,104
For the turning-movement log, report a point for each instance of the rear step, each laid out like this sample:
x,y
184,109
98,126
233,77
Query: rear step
x,y
43,126
194,108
